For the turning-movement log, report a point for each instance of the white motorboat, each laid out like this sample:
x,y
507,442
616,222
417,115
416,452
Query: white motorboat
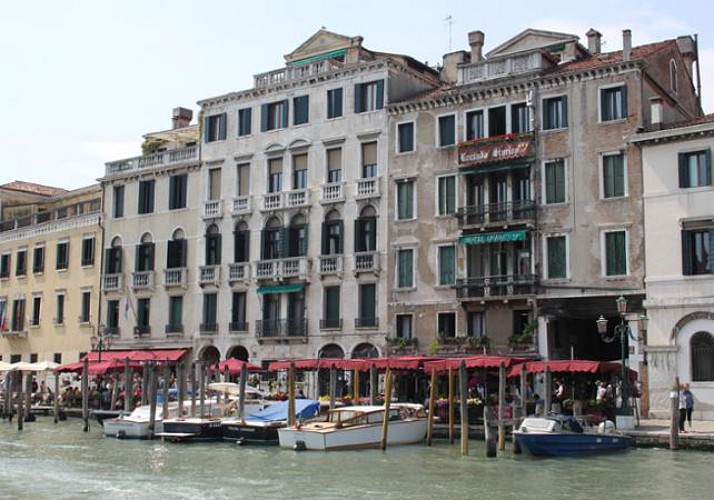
x,y
353,427
136,424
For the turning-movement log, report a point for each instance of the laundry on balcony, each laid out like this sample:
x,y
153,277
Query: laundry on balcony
x,y
485,238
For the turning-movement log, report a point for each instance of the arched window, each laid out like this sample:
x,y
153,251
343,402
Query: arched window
x,y
297,239
113,257
176,252
213,246
366,231
241,243
673,75
271,240
332,234
145,254
702,345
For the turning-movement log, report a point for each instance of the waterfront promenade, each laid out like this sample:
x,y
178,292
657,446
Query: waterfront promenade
x,y
655,432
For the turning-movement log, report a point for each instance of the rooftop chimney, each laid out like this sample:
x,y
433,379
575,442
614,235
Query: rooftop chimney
x,y
626,45
476,39
656,112
594,41
181,118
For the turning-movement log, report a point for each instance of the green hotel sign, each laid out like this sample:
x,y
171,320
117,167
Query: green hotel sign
x,y
485,238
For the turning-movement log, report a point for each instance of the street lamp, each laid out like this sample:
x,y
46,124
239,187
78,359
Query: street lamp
x,y
101,343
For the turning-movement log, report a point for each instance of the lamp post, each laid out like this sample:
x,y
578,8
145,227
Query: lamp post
x,y
101,343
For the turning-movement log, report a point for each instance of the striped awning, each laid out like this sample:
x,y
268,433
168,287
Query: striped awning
x,y
485,238
296,287
319,57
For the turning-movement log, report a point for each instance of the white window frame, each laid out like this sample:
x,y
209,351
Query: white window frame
x,y
599,103
412,180
485,123
456,323
603,252
543,113
437,138
32,312
438,199
509,118
414,266
438,264
60,321
544,183
601,174
546,271
82,292
397,135
413,325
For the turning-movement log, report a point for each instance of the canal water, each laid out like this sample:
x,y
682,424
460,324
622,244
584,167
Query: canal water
x,y
48,461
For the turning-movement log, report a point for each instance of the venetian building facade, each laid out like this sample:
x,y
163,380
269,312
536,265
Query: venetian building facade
x,y
295,204
49,272
151,239
679,240
517,211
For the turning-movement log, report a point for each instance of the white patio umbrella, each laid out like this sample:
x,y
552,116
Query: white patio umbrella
x,y
44,366
5,367
23,366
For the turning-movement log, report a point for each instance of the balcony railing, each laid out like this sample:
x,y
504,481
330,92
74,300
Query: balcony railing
x,y
208,328
174,330
496,286
366,322
283,75
366,262
331,264
142,279
333,193
238,271
112,282
281,328
297,198
331,324
512,212
209,275
368,188
162,158
272,201
241,205
176,277
513,65
293,267
213,209
238,327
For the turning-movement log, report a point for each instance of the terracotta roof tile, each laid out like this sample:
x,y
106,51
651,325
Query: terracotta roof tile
x,y
691,122
32,188
608,58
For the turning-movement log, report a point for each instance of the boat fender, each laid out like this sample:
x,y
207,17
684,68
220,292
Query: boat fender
x,y
299,446
240,442
121,434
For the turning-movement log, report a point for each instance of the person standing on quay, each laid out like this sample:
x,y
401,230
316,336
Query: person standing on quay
x,y
688,398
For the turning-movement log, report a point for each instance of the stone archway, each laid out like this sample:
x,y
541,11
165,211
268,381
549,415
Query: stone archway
x,y
331,351
238,352
688,318
209,355
365,350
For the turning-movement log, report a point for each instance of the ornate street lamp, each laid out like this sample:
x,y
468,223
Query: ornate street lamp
x,y
101,343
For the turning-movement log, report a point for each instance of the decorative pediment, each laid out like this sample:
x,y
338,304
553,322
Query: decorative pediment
x,y
531,39
321,42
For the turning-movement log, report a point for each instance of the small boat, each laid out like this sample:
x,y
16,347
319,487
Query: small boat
x,y
262,426
354,427
102,415
559,435
136,424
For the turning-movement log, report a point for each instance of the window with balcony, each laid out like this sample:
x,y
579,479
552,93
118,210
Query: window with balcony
x,y
18,315
521,183
300,171
274,115
178,188
214,127
369,96
405,200
447,265
301,110
475,126
297,236
213,246
615,253
555,113
38,260
369,160
243,179
695,169
405,137
113,258
144,255
446,325
557,255
614,180
331,319
497,121
334,103
143,315
367,305
332,234
271,240
334,165
405,268
245,118
5,261
214,184
210,312
36,309
62,257
446,195
366,232
698,247
146,197
86,307
405,326
555,191
88,243
176,252
275,175
447,130
296,314
59,308
118,202
613,104
241,243
175,314
113,317
238,312
21,263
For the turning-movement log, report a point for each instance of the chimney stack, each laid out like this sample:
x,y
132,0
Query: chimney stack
x,y
626,45
656,112
181,118
476,39
594,41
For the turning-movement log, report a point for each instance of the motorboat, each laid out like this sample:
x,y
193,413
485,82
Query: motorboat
x,y
560,435
262,426
354,427
136,424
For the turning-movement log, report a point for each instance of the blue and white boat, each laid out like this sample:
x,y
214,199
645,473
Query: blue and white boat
x,y
262,426
563,436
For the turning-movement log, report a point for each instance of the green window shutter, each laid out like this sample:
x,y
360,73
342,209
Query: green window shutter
x,y
359,104
447,265
683,171
556,257
150,256
380,94
708,167
137,258
710,253
405,268
206,129
264,117
624,102
564,100
687,253
222,126
285,113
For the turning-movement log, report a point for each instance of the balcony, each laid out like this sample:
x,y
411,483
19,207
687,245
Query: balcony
x,y
112,282
287,74
332,193
366,262
161,159
513,65
331,265
365,323
281,329
241,205
331,324
177,277
297,198
142,331
238,271
209,275
174,330
278,269
368,188
512,285
208,329
272,201
213,209
142,280
238,327
500,214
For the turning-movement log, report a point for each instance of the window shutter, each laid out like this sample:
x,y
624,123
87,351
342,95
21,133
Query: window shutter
x,y
110,262
683,178
711,251
264,244
137,258
150,249
624,101
565,111
337,103
358,98
218,240
708,168
285,113
358,236
171,249
284,243
208,249
340,241
206,130
325,247
264,117
380,94
246,246
222,125
687,253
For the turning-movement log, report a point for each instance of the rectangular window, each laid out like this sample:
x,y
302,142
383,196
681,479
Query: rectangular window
x,y
613,175
368,305
697,248
334,165
447,265
300,171
555,181
405,268
146,196
369,160
178,186
143,315
59,309
613,104
238,312
275,175
520,118
405,328
118,202
475,127
87,251
113,316
497,121
446,325
446,196
245,117
214,127
243,177
616,253
210,312
334,103
557,257
332,307
405,137
84,316
18,316
447,130
695,169
62,261
476,325
21,263
301,110
405,200
176,314
214,184
5,265
38,260
555,113
369,96
274,115
176,253
36,309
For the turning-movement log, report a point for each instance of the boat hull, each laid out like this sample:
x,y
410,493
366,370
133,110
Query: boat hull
x,y
192,429
247,433
130,429
565,444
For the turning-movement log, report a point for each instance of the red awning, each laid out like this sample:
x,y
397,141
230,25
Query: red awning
x,y
97,367
573,366
484,361
316,364
398,362
234,366
139,355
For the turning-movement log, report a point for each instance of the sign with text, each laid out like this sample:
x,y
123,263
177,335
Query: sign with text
x,y
489,151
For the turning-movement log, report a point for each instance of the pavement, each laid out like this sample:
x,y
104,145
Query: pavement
x,y
657,426
655,432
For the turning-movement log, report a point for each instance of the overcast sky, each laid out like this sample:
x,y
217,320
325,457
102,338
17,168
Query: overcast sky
x,y
82,80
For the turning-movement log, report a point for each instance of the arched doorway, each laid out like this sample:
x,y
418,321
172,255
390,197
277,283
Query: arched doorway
x,y
365,350
238,352
332,351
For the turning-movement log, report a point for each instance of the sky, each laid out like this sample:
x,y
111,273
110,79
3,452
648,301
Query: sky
x,y
82,80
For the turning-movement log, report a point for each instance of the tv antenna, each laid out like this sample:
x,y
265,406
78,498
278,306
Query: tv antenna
x,y
449,21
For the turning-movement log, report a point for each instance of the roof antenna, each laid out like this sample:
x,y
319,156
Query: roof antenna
x,y
449,21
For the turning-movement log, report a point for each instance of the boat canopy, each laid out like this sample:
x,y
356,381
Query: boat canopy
x,y
304,409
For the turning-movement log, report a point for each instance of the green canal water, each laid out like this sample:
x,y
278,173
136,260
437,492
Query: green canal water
x,y
48,461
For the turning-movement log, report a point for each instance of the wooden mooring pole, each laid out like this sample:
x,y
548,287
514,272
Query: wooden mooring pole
x,y
128,387
85,395
192,383
291,394
451,406
21,402
501,405
153,376
463,396
387,402
674,416
241,389
432,405
56,396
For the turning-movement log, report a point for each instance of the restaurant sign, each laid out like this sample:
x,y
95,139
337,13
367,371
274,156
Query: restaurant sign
x,y
489,151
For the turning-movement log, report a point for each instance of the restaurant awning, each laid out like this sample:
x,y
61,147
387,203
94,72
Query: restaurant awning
x,y
572,366
295,287
138,355
485,238
494,167
234,366
484,361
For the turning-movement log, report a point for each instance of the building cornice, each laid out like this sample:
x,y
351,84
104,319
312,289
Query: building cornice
x,y
686,133
51,227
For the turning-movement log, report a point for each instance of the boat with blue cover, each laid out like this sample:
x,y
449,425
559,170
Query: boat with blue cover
x,y
262,426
